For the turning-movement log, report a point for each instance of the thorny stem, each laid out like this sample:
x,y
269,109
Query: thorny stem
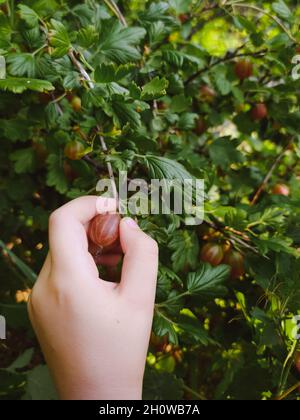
x,y
115,9
228,57
91,85
269,175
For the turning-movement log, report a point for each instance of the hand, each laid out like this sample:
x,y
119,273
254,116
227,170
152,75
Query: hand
x,y
94,334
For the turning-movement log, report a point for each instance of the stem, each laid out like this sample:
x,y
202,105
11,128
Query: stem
x,y
228,57
258,9
91,85
193,392
287,367
39,49
115,9
172,299
288,392
269,175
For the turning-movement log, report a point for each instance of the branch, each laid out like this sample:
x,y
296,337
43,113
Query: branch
x,y
91,84
269,175
228,57
115,9
275,18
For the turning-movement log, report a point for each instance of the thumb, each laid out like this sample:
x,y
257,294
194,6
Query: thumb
x,y
140,265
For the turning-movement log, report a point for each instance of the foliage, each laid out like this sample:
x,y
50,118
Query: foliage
x,y
141,89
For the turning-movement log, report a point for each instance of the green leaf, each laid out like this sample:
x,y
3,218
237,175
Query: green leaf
x,y
24,160
19,85
164,168
180,6
208,280
40,385
180,103
29,15
185,247
124,113
223,152
21,64
192,327
118,43
155,89
23,268
164,326
107,73
87,37
22,361
59,39
56,177
281,8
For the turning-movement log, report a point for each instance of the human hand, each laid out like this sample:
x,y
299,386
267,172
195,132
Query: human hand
x,y
94,334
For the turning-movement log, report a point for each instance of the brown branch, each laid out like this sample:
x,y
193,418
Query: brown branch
x,y
228,57
269,175
91,84
288,392
115,9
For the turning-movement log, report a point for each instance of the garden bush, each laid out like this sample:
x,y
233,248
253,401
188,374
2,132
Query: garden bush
x,y
162,89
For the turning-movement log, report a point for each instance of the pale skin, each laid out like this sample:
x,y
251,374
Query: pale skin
x,y
94,334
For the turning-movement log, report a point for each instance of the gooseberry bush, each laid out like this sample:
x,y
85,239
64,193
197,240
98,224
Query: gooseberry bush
x,y
162,89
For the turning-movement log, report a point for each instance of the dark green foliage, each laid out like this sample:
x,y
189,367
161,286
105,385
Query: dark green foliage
x,y
141,88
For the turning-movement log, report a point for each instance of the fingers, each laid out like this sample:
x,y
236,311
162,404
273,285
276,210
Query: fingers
x,y
67,233
139,273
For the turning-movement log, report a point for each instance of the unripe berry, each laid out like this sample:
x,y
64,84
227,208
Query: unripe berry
x,y
76,104
74,150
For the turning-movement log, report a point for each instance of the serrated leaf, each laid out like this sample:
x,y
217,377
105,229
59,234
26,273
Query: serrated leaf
x,y
155,89
24,160
19,85
87,36
208,280
164,168
163,326
21,64
107,73
56,177
59,39
29,15
281,8
185,247
118,43
124,113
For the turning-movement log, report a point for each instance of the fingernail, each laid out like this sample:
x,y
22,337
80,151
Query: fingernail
x,y
131,223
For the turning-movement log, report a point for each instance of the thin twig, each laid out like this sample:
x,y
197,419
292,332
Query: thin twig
x,y
228,57
275,18
115,9
269,175
288,392
91,84
194,393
